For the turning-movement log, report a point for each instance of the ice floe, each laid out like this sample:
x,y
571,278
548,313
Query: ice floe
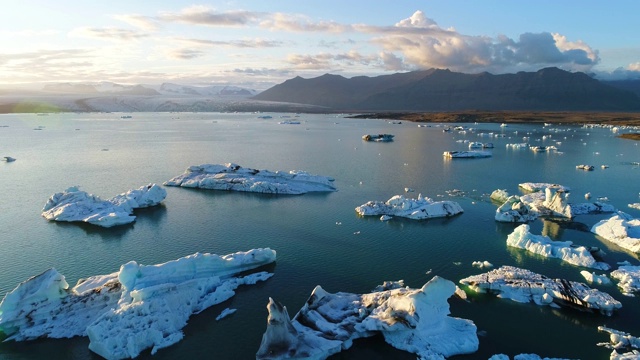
x,y
237,178
466,154
378,137
624,346
522,238
522,357
594,278
634,206
126,312
629,277
414,320
524,286
620,229
420,208
513,210
482,264
76,205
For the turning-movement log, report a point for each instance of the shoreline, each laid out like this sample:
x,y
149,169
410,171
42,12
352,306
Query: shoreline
x,y
511,117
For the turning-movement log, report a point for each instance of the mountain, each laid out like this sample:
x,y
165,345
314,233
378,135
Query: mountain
x,y
549,89
631,85
211,90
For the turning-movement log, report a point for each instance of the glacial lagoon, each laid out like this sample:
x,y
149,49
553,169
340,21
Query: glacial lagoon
x,y
319,238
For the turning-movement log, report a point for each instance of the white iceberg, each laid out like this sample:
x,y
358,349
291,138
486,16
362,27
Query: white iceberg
x,y
594,278
620,229
514,210
234,177
523,357
482,264
414,320
553,200
524,286
76,205
522,238
629,277
467,154
499,195
634,206
138,307
624,346
420,208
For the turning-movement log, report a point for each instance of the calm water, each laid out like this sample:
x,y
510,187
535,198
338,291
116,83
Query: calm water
x,y
106,155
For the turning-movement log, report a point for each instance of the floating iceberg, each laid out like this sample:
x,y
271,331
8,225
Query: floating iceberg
x,y
499,195
466,154
592,278
620,229
634,206
524,286
534,187
629,277
564,250
414,320
621,342
138,307
514,210
234,177
75,205
522,357
420,208
378,137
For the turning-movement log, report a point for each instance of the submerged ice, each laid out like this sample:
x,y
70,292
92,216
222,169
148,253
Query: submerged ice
x,y
234,177
414,320
524,286
76,205
420,208
126,312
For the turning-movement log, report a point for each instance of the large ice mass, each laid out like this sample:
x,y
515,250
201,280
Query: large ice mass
x,y
624,346
414,320
524,286
629,277
543,199
420,208
234,177
126,312
76,205
620,229
522,238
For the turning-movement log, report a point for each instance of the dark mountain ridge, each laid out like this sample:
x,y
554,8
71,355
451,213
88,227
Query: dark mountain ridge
x,y
549,89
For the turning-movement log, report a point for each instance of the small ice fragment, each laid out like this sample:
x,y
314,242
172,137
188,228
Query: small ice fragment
x,y
226,312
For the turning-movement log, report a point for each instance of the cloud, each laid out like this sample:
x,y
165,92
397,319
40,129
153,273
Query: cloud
x,y
202,15
423,44
300,23
147,23
247,43
113,34
335,62
184,54
263,72
392,62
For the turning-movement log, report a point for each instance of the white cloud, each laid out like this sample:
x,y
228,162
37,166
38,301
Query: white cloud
x,y
142,22
112,34
202,15
244,43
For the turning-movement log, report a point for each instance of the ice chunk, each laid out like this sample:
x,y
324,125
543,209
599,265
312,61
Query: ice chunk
x,y
482,264
522,238
514,210
75,205
234,177
136,308
420,208
500,195
466,154
535,187
414,320
629,277
620,229
624,345
592,277
523,285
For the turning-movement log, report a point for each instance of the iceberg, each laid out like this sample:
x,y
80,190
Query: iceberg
x,y
378,137
629,277
234,177
634,206
523,357
414,320
535,187
418,209
522,238
76,205
620,341
592,277
466,154
620,229
499,195
514,210
126,312
524,286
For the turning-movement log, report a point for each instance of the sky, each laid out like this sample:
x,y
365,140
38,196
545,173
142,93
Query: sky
x,y
260,43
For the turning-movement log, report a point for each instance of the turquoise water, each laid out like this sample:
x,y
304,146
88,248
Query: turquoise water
x,y
106,155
